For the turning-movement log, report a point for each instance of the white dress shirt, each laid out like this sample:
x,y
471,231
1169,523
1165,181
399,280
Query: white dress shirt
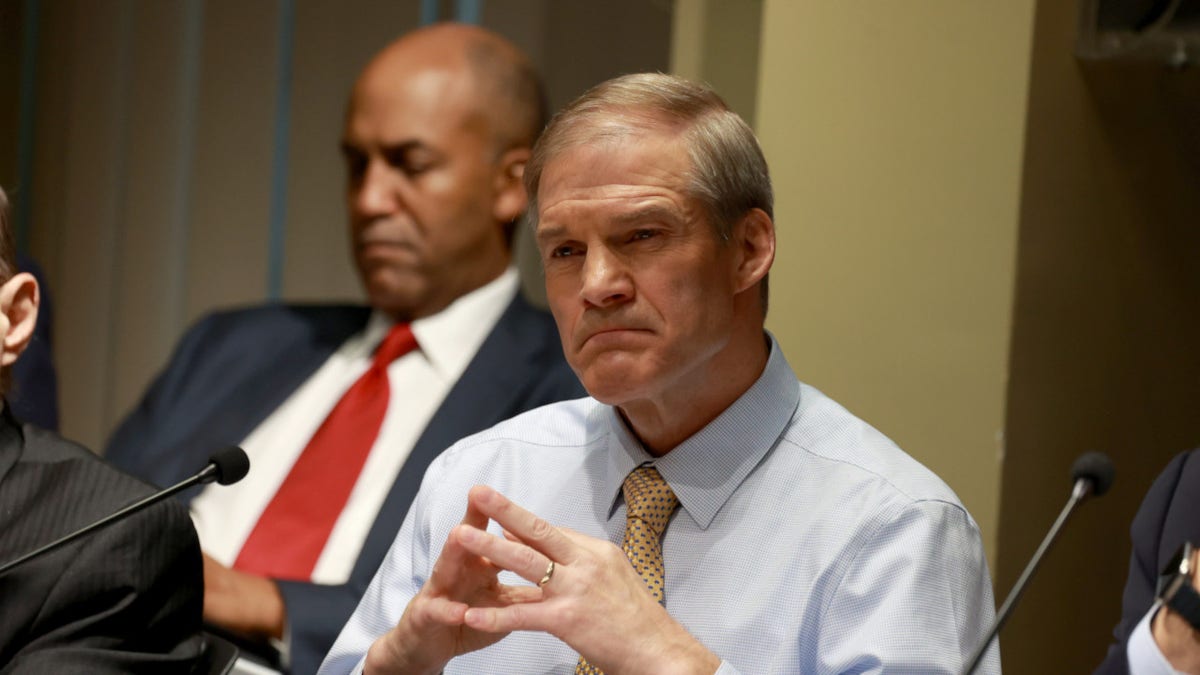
x,y
805,541
447,341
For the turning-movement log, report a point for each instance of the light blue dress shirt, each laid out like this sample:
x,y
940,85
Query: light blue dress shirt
x,y
805,541
1145,657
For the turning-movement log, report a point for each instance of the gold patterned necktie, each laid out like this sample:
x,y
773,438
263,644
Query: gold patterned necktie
x,y
649,503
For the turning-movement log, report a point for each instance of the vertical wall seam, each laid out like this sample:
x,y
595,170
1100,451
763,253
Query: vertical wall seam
x,y
279,172
125,38
181,224
469,11
429,11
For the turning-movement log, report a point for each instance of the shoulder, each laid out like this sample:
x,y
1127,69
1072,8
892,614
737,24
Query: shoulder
x,y
576,423
284,318
525,344
528,326
1176,488
849,454
548,432
1181,476
57,487
233,334
1166,514
77,474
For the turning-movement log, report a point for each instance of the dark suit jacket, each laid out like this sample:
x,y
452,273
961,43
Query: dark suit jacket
x,y
123,599
233,369
1168,516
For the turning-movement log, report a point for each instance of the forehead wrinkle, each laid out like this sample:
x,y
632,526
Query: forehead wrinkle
x,y
643,213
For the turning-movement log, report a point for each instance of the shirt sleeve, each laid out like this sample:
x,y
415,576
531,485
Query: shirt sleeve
x,y
394,585
1145,658
916,598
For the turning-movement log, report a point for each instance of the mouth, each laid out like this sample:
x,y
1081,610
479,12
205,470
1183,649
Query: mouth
x,y
611,336
380,246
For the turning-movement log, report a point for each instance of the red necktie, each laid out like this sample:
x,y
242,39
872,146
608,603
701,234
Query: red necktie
x,y
292,531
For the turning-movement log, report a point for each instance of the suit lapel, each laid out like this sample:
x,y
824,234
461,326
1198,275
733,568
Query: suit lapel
x,y
263,385
491,390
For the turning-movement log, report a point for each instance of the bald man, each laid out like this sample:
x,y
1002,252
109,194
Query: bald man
x,y
341,408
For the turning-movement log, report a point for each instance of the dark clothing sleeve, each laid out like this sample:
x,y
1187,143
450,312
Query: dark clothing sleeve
x,y
1165,519
128,601
126,598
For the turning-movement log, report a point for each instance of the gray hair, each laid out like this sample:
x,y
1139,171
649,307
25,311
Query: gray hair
x,y
728,172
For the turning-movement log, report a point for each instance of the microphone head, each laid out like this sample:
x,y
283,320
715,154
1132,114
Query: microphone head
x,y
232,465
1096,468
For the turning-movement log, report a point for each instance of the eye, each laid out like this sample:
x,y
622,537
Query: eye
x,y
563,251
356,165
643,233
410,161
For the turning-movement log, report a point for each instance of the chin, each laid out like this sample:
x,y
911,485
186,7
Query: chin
x,y
610,390
397,301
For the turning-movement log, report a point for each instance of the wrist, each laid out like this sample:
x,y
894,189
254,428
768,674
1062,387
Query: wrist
x,y
680,653
389,654
274,614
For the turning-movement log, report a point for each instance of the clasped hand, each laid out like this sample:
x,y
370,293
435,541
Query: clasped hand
x,y
595,602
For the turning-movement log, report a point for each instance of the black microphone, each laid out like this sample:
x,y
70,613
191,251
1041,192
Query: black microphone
x,y
225,467
1091,474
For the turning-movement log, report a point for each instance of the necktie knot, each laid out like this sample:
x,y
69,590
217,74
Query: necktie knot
x,y
648,498
398,342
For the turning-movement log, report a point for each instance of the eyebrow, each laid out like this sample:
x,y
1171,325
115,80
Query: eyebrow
x,y
348,147
552,232
652,212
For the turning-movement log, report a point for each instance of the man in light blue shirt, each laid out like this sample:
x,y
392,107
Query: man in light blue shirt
x,y
803,540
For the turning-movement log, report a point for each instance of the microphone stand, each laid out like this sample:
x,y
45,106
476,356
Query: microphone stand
x,y
210,473
1081,490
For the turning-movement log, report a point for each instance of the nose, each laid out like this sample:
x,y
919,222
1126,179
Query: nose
x,y
606,280
374,194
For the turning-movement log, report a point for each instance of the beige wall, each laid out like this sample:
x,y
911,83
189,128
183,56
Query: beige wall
x,y
894,134
717,42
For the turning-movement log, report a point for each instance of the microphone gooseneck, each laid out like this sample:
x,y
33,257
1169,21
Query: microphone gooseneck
x,y
1091,474
225,467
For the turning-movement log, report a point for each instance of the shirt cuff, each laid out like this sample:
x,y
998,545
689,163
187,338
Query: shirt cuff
x,y
1145,658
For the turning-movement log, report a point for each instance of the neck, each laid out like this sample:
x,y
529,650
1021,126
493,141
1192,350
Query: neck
x,y
663,422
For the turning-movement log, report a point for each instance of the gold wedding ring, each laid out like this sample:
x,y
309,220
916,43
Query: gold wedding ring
x,y
549,573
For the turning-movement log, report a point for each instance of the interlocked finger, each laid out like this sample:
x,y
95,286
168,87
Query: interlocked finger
x,y
548,575
509,555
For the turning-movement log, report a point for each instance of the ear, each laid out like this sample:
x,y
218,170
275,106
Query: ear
x,y
508,186
19,298
754,237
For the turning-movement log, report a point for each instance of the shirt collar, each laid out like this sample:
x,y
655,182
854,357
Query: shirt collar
x,y
705,469
450,338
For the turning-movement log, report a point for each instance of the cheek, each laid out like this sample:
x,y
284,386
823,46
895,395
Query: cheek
x,y
562,289
564,318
